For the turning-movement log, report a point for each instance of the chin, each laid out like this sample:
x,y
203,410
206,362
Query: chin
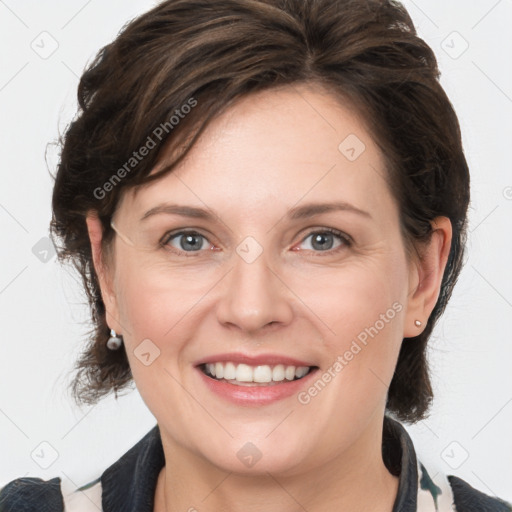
x,y
258,456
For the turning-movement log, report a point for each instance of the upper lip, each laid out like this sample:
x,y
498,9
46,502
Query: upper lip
x,y
253,360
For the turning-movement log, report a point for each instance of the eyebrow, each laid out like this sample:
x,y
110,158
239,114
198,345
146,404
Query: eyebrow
x,y
297,213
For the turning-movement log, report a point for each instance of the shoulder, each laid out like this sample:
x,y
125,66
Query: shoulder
x,y
37,495
468,499
30,494
449,492
132,476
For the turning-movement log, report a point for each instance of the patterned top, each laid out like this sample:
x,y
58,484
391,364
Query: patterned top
x,y
129,484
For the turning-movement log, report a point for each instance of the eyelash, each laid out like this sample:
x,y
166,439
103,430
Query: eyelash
x,y
347,241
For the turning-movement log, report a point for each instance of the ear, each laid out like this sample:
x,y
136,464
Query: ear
x,y
104,273
426,275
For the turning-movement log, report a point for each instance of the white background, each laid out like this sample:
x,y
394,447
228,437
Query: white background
x,y
43,318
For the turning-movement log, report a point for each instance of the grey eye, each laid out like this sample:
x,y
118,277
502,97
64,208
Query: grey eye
x,y
188,241
322,241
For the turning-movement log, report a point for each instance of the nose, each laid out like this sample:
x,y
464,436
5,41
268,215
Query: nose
x,y
254,296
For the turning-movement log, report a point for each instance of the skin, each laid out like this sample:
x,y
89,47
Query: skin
x,y
268,153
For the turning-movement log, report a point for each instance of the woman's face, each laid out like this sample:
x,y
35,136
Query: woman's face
x,y
271,278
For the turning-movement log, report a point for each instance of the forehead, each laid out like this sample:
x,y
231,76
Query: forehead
x,y
275,148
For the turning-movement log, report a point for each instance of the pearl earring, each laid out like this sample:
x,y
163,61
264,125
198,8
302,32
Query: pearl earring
x,y
115,340
417,323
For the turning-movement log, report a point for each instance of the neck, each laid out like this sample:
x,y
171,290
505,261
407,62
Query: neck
x,y
356,480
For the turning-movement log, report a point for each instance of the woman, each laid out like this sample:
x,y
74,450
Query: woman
x,y
267,202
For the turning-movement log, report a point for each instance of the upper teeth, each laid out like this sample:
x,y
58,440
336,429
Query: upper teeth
x,y
261,373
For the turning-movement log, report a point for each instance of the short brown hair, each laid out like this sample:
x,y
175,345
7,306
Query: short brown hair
x,y
216,51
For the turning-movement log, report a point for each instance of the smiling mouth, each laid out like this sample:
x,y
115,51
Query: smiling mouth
x,y
260,375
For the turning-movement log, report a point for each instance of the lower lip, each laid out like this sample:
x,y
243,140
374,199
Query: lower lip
x,y
255,395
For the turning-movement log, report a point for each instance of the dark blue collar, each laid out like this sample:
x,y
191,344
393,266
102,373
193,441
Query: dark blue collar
x,y
129,484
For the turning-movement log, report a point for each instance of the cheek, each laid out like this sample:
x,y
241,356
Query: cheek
x,y
153,297
356,296
363,307
154,312
161,309
362,315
